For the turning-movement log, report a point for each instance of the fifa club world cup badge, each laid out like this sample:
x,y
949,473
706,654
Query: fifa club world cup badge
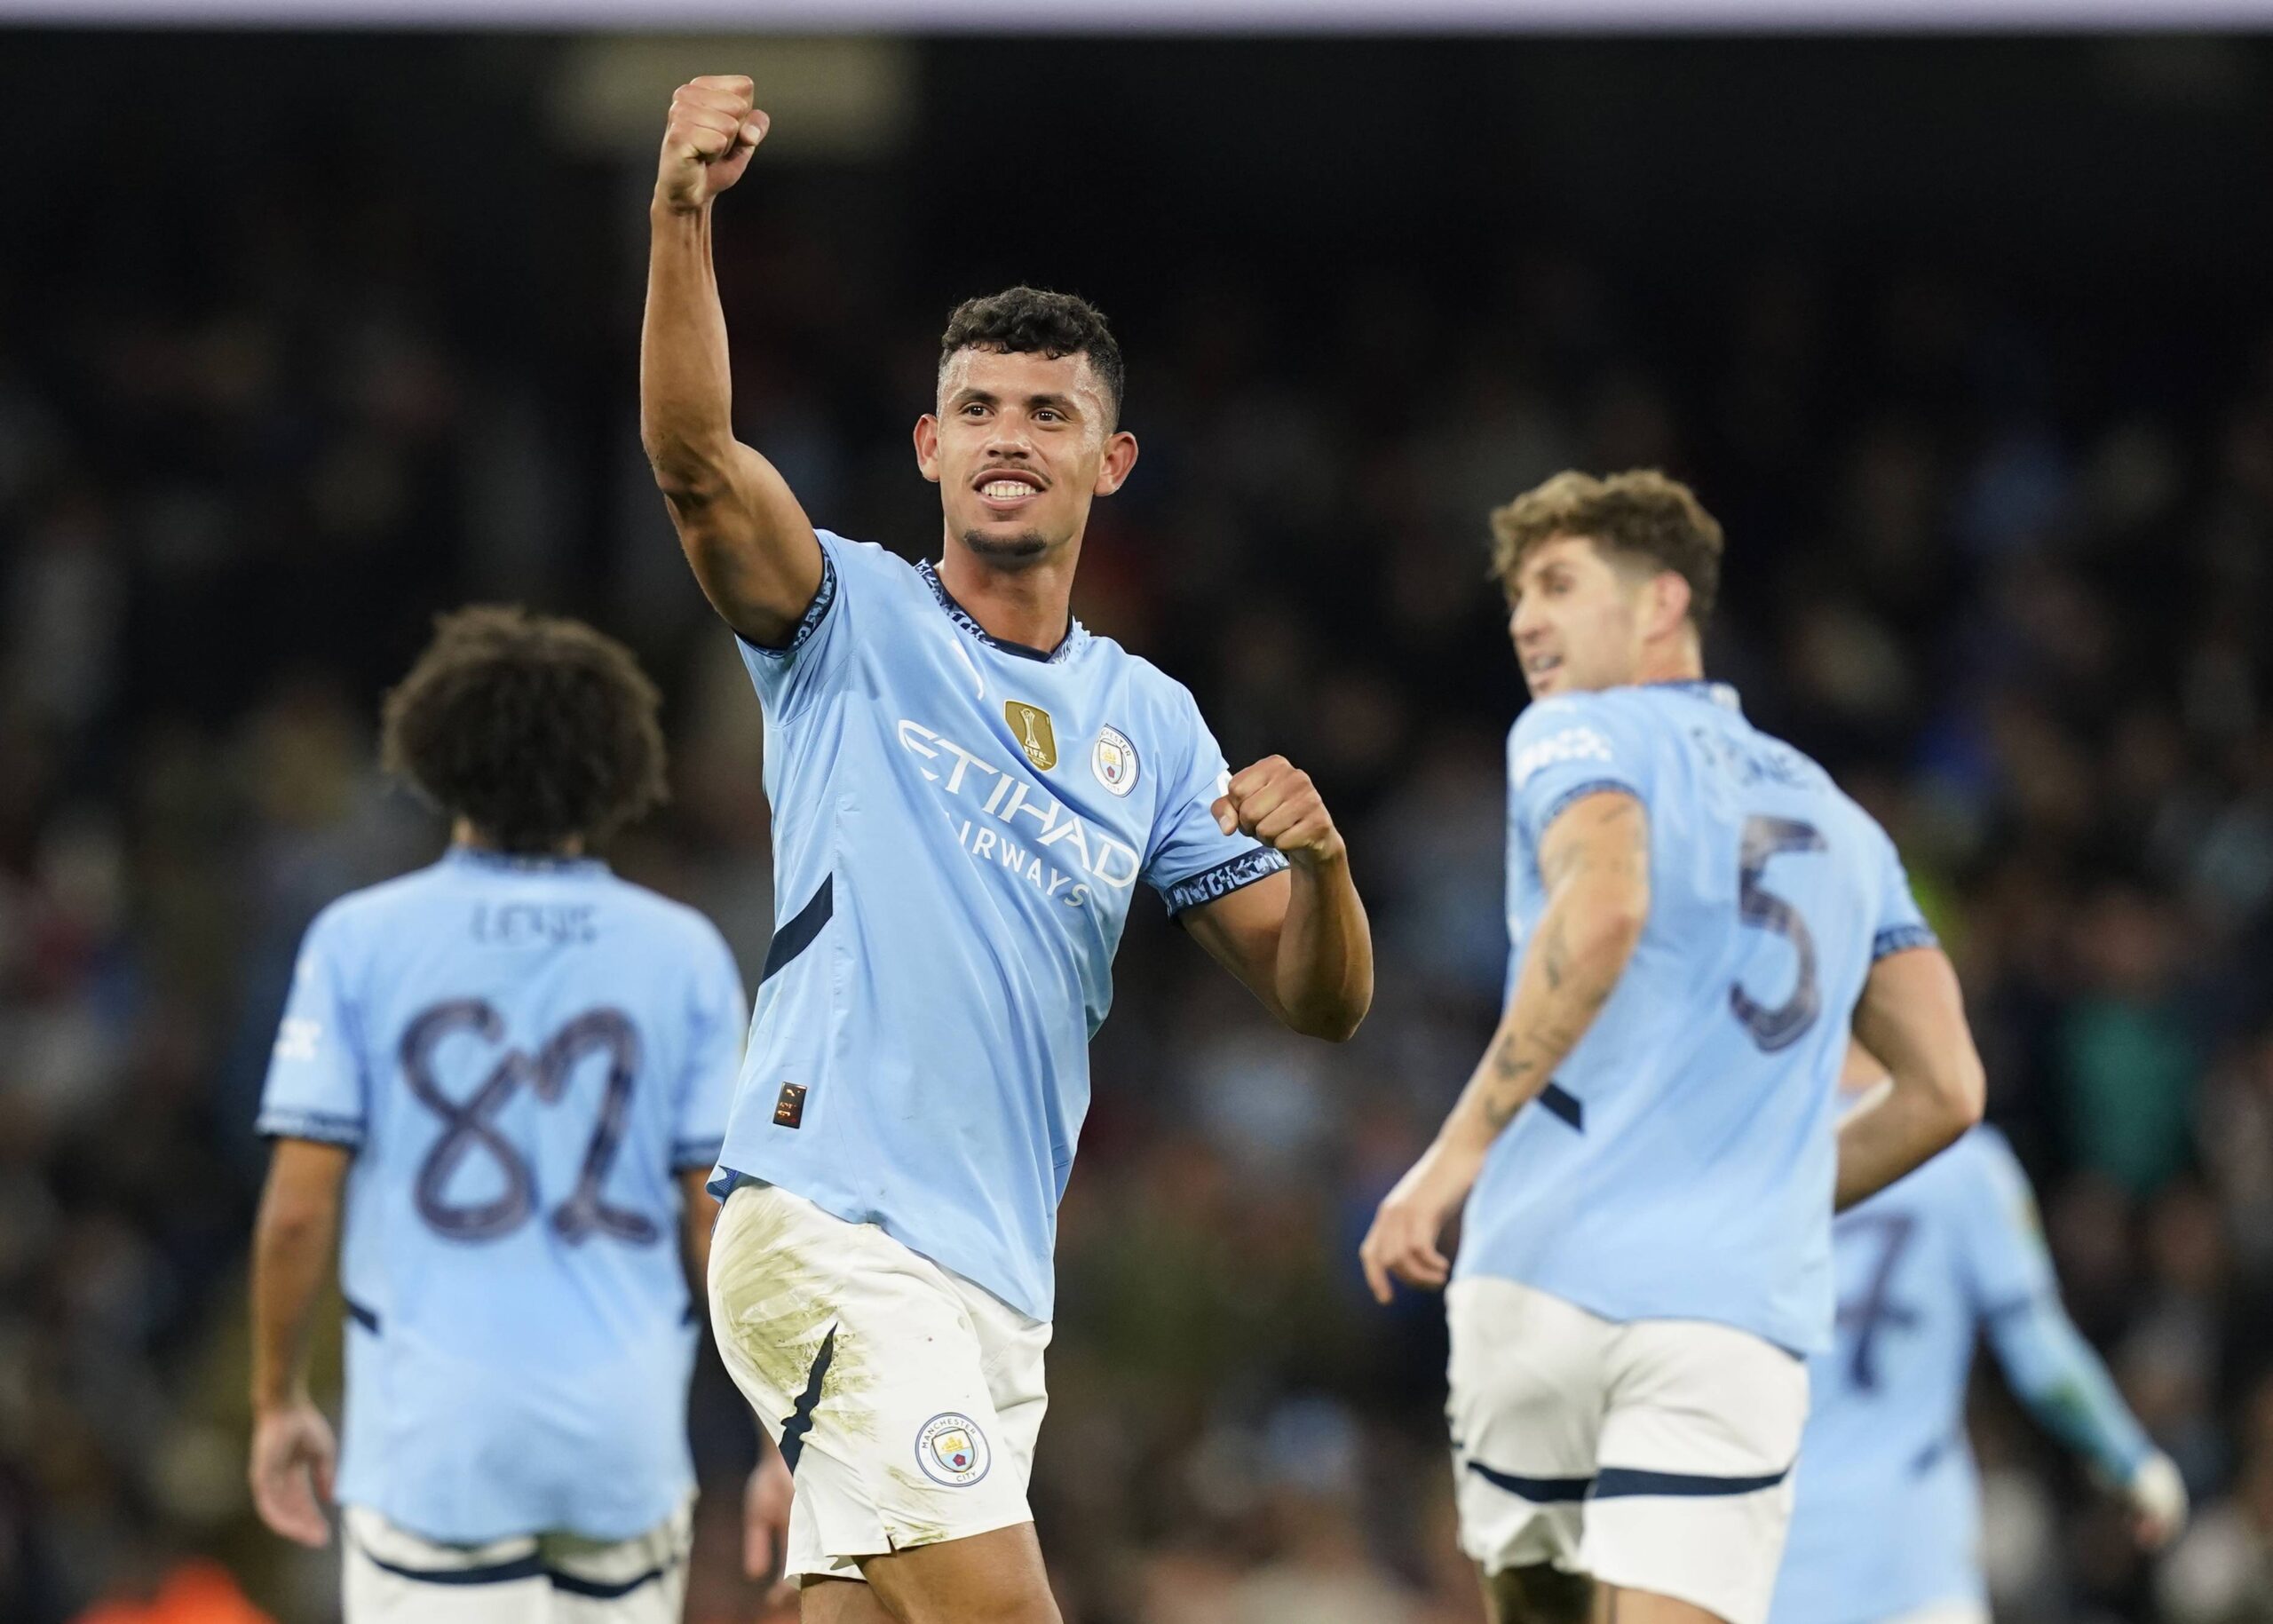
x,y
1114,759
952,1451
1030,726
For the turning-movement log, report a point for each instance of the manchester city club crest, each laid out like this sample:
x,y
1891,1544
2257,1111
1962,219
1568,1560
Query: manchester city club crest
x,y
953,1451
1114,759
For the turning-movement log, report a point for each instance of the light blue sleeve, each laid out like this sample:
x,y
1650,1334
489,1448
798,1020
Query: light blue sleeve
x,y
717,1017
2051,1368
1192,861
1900,926
316,1087
1564,749
789,677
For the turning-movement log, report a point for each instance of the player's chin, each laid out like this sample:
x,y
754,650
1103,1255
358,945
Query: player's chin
x,y
1009,543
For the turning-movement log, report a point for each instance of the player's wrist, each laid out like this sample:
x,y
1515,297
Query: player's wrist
x,y
1327,852
1456,1156
666,207
273,1402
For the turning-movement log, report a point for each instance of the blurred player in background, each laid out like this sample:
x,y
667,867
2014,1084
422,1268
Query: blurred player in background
x,y
966,786
1695,910
1885,1526
511,1070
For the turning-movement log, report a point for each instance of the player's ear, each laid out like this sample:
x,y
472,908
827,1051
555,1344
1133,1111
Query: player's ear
x,y
1668,603
927,447
1120,457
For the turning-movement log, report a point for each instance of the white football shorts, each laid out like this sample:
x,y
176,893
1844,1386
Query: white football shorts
x,y
1655,1454
390,1575
905,1399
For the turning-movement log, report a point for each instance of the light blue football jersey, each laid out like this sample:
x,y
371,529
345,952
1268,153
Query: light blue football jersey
x,y
1886,1516
1679,1165
959,826
523,1055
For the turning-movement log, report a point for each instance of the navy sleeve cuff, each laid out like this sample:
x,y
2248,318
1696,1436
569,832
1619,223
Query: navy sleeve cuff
x,y
1562,803
817,611
687,1154
324,1127
1901,939
1223,878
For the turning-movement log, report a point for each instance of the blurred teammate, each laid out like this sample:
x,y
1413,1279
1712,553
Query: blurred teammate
x,y
511,1071
1887,1523
1695,910
967,787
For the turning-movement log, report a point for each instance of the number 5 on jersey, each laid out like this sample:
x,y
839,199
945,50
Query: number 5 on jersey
x,y
1783,1024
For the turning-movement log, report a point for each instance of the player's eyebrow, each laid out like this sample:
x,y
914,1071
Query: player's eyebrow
x,y
1060,402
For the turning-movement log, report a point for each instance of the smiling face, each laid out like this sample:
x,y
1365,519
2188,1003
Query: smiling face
x,y
1020,445
1582,622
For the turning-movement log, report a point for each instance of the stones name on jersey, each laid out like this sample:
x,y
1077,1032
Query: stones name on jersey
x,y
1061,856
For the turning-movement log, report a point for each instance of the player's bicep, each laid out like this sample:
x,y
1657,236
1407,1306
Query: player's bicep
x,y
753,550
1598,843
1240,931
305,1180
2006,1258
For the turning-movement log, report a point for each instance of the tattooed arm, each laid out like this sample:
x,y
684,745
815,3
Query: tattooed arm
x,y
1593,862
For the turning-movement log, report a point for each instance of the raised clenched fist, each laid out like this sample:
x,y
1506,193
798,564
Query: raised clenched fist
x,y
707,143
1275,801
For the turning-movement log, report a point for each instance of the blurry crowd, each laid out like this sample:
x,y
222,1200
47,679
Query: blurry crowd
x,y
2004,572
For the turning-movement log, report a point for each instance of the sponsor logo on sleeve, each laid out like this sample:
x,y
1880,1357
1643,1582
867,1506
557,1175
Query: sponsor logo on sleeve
x,y
298,1038
1114,759
1571,744
953,1451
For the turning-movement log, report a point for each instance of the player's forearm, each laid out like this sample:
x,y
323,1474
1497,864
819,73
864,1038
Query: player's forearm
x,y
1911,1125
1325,970
685,380
294,1245
2068,1389
1926,1111
1581,950
1911,1017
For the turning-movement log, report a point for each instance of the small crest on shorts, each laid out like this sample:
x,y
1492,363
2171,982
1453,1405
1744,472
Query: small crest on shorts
x,y
953,1451
1030,726
1114,759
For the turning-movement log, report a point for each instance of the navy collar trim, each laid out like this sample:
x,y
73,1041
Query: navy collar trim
x,y
1075,631
521,862
1719,694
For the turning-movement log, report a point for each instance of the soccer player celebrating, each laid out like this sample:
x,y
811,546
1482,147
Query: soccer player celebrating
x,y
511,1070
967,785
1646,1150
1885,1526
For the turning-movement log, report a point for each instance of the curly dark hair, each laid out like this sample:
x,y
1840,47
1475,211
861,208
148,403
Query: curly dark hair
x,y
1639,515
1036,321
537,730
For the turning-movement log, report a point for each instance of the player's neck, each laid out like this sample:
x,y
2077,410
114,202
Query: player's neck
x,y
463,833
1677,660
1031,606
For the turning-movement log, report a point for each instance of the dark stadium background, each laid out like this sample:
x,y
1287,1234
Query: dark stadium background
x,y
1969,342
